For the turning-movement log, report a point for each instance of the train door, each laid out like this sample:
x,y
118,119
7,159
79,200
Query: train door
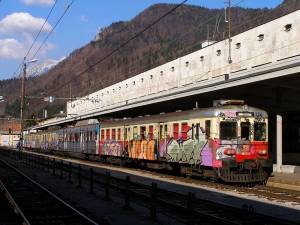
x,y
91,140
244,141
81,140
163,139
77,140
97,139
65,140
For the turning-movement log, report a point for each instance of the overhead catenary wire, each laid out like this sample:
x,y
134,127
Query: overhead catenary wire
x,y
37,35
122,45
219,15
53,28
40,31
134,37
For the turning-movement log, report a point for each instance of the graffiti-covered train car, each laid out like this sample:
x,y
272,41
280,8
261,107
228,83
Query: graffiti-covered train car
x,y
228,141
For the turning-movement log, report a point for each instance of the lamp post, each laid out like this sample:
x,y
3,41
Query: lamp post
x,y
23,99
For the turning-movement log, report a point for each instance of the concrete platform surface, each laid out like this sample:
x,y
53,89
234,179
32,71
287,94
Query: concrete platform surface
x,y
289,181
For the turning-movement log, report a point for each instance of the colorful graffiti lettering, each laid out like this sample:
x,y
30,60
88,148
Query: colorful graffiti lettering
x,y
142,149
111,147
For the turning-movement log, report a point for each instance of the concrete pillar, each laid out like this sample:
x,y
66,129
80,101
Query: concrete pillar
x,y
278,143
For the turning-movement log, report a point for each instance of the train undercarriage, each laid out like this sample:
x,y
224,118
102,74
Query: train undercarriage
x,y
232,175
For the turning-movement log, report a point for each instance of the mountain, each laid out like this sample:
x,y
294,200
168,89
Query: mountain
x,y
179,33
42,68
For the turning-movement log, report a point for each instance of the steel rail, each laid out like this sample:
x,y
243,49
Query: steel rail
x,y
45,190
13,202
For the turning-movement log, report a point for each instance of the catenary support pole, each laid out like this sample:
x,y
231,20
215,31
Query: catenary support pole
x,y
278,143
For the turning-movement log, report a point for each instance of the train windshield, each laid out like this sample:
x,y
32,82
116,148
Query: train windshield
x,y
260,131
228,130
245,131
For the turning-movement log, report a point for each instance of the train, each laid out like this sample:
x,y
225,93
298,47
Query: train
x,y
227,142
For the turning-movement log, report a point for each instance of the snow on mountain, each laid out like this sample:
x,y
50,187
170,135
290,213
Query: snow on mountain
x,y
37,69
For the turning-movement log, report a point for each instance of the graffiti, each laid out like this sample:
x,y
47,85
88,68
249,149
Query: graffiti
x,y
193,151
111,147
136,149
142,149
190,151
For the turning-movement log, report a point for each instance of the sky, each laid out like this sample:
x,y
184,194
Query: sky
x,y
21,20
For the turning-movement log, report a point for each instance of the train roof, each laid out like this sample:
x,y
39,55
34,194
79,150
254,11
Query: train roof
x,y
186,115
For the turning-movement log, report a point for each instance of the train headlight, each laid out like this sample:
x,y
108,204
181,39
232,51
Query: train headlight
x,y
262,152
229,151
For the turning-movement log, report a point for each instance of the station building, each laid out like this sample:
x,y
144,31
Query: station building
x,y
9,133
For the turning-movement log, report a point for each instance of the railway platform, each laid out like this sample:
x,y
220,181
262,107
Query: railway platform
x,y
289,181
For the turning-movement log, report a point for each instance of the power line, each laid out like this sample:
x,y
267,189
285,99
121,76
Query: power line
x,y
53,28
38,34
47,37
136,35
123,44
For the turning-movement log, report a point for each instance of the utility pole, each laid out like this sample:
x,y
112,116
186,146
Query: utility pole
x,y
22,103
229,30
23,99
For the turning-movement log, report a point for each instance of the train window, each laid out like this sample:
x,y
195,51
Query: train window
x,y
107,134
119,134
135,132
259,131
113,134
125,134
142,132
184,131
175,131
102,134
151,133
129,133
245,130
85,136
161,127
76,137
91,135
166,130
228,130
207,128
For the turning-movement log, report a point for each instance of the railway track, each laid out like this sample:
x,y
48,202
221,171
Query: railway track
x,y
270,193
7,214
182,207
34,203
